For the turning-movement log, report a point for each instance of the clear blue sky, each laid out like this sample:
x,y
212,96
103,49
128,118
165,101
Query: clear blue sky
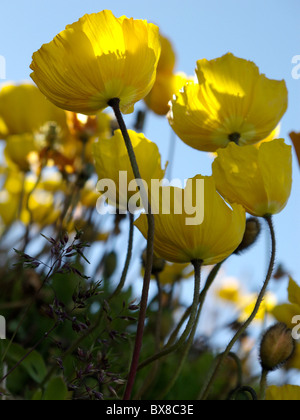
x,y
264,31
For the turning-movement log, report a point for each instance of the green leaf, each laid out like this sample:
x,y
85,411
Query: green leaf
x,y
37,396
34,364
56,390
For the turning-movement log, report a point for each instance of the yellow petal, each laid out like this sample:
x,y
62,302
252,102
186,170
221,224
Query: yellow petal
x,y
24,109
283,393
111,158
165,86
18,149
285,313
294,292
258,178
95,60
211,241
228,101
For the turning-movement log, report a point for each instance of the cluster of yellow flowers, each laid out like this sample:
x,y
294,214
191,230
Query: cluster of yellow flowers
x,y
230,110
100,58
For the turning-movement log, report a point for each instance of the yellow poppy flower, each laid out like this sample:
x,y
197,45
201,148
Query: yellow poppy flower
x,y
14,180
275,134
295,137
283,393
232,101
84,127
230,291
258,178
167,59
248,303
167,82
165,86
24,109
294,361
96,59
285,312
175,272
18,149
244,302
89,194
9,204
42,209
178,240
113,164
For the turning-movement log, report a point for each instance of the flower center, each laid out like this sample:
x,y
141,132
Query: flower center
x,y
235,137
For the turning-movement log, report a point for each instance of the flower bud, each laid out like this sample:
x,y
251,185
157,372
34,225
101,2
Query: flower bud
x,y
277,346
252,231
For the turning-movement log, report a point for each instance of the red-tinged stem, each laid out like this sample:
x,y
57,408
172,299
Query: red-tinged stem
x,y
115,104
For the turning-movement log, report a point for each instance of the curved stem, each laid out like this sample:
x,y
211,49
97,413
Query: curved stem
x,y
27,207
159,314
244,389
184,355
263,385
193,314
155,369
205,392
210,279
115,104
127,261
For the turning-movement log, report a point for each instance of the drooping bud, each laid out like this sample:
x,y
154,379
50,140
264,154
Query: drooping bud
x,y
277,346
252,231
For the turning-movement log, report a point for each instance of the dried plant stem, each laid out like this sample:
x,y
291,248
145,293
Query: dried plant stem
x,y
205,392
115,104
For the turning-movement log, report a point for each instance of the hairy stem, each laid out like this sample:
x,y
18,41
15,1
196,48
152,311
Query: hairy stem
x,y
205,392
210,279
184,355
127,261
263,385
115,104
193,314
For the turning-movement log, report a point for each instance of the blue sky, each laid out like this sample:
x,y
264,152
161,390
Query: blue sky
x,y
264,31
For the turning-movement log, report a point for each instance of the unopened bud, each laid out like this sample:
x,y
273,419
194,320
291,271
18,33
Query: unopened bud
x,y
252,231
158,263
277,347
